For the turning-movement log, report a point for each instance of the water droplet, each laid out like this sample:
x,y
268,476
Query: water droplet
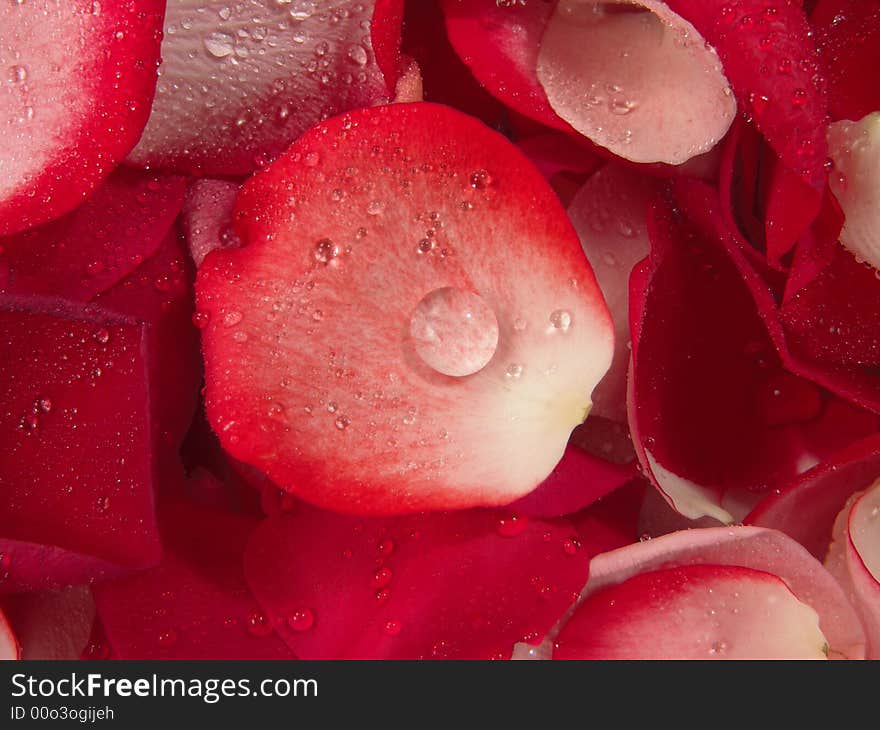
x,y
480,179
561,320
45,405
18,74
342,422
168,638
258,625
392,627
357,55
382,577
622,107
301,620
609,259
103,504
102,336
219,44
571,546
454,331
514,371
375,207
719,648
385,546
512,526
325,251
200,319
231,319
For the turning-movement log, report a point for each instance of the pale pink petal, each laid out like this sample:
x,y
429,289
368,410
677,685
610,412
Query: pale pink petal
x,y
645,85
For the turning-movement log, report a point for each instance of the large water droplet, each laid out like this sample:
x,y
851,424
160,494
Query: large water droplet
x,y
454,331
219,44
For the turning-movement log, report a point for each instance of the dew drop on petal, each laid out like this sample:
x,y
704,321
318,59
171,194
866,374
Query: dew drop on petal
x,y
454,331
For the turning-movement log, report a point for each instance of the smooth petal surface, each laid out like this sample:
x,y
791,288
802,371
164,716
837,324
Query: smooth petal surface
x,y
610,215
77,464
336,328
693,612
75,95
195,604
855,149
94,247
745,547
500,43
240,81
434,586
664,98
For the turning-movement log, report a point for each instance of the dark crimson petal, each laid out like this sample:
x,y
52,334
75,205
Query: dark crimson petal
x,y
500,43
52,624
77,464
446,79
195,604
75,98
769,56
159,294
576,482
705,376
848,36
612,522
834,318
439,585
806,507
92,248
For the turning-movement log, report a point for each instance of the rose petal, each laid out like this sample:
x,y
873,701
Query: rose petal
x,y
92,248
610,215
440,585
414,421
848,36
693,612
239,82
52,625
195,604
855,149
77,462
75,97
578,480
159,294
665,99
746,547
863,561
207,217
500,43
705,372
9,648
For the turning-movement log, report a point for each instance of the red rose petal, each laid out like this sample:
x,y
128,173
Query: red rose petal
x,y
195,604
446,79
705,371
693,612
92,248
746,547
239,82
848,36
77,461
207,217
9,648
663,99
461,214
499,42
75,101
52,625
433,586
806,508
159,294
577,481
